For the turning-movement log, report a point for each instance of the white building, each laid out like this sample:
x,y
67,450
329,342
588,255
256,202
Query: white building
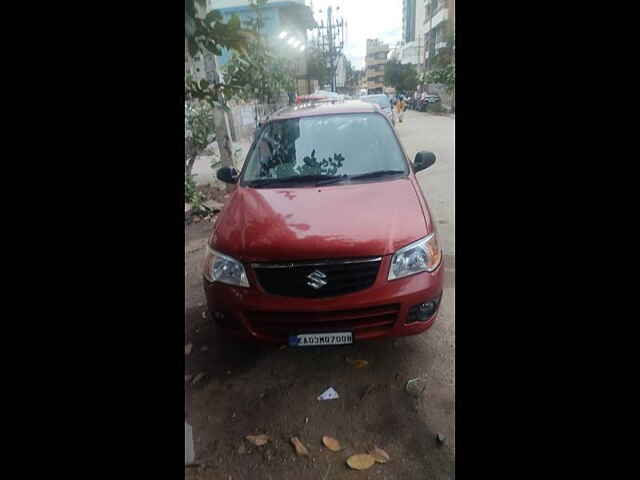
x,y
395,52
411,53
409,20
413,30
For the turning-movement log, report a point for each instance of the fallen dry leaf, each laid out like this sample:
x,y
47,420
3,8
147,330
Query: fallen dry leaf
x,y
300,448
258,440
331,443
360,461
379,455
198,377
358,363
187,349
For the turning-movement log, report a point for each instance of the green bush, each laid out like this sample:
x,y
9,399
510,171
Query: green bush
x,y
191,193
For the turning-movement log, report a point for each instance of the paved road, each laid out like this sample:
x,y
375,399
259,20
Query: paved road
x,y
420,131
251,390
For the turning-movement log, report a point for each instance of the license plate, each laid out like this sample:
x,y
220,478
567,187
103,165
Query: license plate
x,y
320,339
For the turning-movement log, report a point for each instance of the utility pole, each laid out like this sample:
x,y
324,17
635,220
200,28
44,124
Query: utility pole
x,y
332,67
330,41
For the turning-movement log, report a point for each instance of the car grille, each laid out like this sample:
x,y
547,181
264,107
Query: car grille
x,y
281,324
332,278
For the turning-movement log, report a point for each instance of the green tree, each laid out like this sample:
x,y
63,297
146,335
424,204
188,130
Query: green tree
x,y
353,76
209,34
403,77
317,66
199,133
444,75
442,68
258,73
206,33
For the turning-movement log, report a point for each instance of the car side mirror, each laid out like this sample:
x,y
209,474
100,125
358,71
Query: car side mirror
x,y
227,175
423,160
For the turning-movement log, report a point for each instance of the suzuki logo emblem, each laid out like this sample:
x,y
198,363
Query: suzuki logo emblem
x,y
316,279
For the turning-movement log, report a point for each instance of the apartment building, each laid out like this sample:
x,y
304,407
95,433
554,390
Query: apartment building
x,y
419,22
376,58
439,21
290,18
395,52
409,20
413,29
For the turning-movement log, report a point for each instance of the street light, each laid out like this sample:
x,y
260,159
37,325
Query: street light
x,y
283,35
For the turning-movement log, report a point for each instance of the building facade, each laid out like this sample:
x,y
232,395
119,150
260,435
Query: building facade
x,y
396,52
409,20
439,24
293,17
420,27
413,30
411,53
374,64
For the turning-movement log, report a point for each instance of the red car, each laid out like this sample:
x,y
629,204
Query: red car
x,y
327,237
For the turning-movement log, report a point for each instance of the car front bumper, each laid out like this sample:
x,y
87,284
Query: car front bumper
x,y
381,310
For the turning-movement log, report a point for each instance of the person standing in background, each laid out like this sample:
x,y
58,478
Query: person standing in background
x,y
400,107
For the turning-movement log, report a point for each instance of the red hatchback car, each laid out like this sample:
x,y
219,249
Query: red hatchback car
x,y
327,237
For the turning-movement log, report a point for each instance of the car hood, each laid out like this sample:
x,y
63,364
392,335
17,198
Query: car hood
x,y
338,221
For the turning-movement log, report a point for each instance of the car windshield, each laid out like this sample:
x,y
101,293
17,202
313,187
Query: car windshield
x,y
324,147
381,100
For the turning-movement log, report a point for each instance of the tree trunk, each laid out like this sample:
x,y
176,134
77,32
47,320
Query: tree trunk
x,y
232,127
189,166
223,138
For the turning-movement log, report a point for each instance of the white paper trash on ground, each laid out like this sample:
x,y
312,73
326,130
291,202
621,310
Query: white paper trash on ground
x,y
188,445
329,394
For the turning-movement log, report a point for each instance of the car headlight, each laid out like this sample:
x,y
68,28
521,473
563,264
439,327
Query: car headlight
x,y
421,256
224,269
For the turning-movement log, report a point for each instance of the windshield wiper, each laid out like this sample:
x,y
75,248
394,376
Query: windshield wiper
x,y
376,174
262,182
330,179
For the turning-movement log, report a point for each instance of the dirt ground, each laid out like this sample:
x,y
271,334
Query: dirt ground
x,y
250,389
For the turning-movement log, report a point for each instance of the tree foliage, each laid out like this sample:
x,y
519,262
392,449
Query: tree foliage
x,y
317,67
353,76
258,73
403,77
209,35
199,132
443,66
444,75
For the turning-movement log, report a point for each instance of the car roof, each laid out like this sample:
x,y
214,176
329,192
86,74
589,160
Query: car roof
x,y
324,108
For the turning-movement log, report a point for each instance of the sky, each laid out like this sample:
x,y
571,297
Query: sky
x,y
380,19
